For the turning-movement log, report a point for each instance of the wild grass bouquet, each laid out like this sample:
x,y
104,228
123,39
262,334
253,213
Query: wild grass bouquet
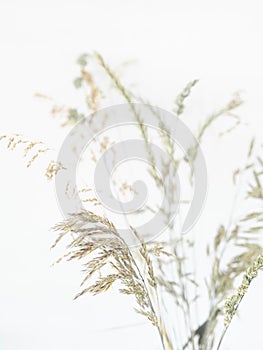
x,y
159,274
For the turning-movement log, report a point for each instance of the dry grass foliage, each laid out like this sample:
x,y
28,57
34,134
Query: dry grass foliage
x,y
31,149
162,276
94,234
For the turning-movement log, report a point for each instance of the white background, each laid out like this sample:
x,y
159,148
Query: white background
x,y
172,42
